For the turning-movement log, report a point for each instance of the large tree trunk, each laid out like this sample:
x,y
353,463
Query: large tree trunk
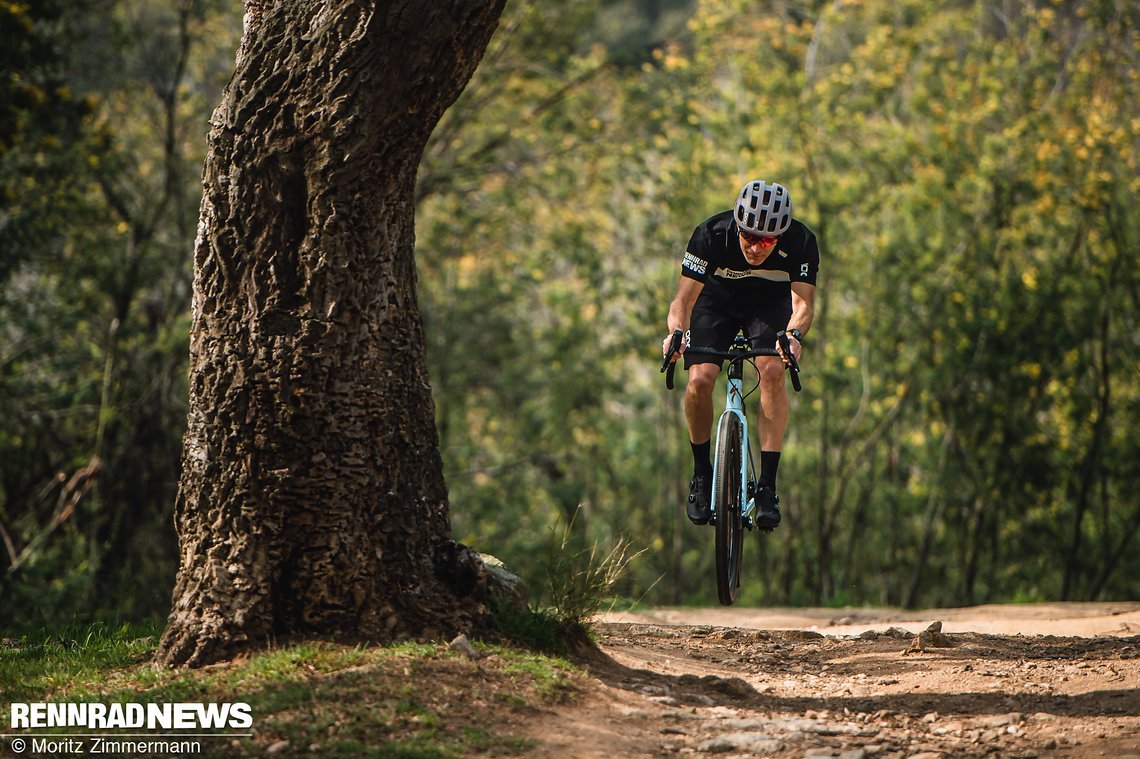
x,y
312,499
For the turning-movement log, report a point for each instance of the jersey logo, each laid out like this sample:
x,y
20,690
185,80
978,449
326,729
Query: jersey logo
x,y
692,263
774,276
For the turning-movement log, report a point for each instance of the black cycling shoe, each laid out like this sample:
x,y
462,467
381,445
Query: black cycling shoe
x,y
767,508
698,505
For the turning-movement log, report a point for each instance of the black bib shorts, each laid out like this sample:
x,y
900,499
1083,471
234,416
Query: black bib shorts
x,y
714,325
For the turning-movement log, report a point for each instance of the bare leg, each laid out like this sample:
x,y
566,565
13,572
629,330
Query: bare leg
x,y
698,401
773,417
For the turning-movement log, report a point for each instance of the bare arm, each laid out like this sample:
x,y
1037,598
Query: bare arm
x,y
803,306
803,312
681,309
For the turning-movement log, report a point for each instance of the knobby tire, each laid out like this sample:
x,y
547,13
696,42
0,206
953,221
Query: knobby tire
x,y
727,507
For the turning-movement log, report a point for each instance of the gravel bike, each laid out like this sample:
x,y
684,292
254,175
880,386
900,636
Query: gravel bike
x,y
734,474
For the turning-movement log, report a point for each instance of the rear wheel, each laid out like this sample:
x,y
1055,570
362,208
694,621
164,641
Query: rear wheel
x,y
727,507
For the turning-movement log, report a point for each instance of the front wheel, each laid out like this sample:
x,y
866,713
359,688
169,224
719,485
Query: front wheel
x,y
727,507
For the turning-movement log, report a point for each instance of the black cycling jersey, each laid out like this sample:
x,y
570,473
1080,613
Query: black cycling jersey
x,y
714,258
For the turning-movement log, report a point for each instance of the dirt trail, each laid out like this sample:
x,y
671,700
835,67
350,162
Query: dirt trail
x,y
1011,681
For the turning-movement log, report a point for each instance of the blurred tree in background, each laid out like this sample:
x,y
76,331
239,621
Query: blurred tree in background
x,y
100,180
968,430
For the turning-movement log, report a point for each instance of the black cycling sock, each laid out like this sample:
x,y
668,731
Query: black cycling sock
x,y
769,464
702,461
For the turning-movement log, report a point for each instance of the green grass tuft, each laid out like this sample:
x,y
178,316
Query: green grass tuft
x,y
581,580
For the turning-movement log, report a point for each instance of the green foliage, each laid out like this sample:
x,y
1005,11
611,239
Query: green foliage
x,y
580,580
95,238
536,629
968,430
44,127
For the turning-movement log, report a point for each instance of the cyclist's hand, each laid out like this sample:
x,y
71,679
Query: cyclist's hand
x,y
667,344
796,346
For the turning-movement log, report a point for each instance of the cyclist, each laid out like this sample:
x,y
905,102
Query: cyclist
x,y
752,268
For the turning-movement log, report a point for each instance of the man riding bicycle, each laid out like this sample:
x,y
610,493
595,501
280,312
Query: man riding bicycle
x,y
751,269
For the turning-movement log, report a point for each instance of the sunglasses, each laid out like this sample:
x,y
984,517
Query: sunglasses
x,y
752,238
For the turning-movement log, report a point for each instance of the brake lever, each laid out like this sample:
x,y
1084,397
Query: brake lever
x,y
790,360
667,366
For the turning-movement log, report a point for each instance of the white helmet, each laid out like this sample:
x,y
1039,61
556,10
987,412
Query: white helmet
x,y
764,209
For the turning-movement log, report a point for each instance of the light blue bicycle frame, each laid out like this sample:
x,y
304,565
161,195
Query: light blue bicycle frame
x,y
734,406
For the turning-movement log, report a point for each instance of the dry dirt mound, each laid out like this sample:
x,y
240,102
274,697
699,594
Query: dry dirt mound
x,y
1064,619
1035,680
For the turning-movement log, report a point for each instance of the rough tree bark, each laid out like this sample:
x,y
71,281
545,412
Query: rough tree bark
x,y
312,500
